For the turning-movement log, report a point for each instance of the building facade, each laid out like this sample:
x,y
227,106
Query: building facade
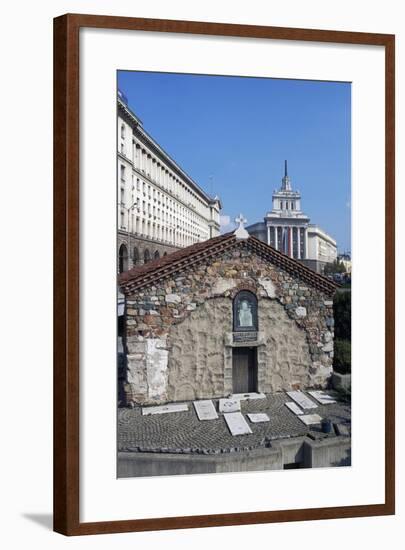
x,y
160,207
273,320
288,230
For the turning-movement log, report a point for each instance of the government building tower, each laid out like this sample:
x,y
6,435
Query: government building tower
x,y
288,230
160,207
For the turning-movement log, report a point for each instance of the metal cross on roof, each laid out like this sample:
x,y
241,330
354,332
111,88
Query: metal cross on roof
x,y
241,232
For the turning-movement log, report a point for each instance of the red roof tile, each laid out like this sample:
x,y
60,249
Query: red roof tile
x,y
147,273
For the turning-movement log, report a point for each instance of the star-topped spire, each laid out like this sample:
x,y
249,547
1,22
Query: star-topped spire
x,y
286,182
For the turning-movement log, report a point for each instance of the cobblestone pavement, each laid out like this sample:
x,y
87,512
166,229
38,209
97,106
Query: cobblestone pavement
x,y
182,432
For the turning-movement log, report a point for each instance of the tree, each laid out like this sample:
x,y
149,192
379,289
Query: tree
x,y
342,312
335,267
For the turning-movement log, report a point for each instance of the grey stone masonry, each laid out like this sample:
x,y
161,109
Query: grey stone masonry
x,y
179,330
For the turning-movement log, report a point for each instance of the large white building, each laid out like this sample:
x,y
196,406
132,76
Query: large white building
x,y
287,229
160,207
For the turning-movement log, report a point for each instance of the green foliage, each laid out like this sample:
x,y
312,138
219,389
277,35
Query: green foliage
x,y
342,312
334,267
344,395
342,357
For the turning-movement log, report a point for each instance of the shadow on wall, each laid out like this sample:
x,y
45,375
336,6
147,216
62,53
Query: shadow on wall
x,y
346,460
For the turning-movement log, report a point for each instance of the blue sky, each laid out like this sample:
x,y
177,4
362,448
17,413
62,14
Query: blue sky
x,y
232,134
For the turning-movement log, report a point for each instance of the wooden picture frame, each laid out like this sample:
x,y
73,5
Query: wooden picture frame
x,y
67,283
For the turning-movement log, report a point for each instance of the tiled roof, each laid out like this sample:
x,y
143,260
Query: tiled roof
x,y
145,274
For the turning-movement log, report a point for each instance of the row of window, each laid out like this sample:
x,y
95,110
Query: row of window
x,y
160,199
144,162
287,205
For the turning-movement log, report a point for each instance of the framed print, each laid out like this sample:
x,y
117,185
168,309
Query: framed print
x,y
223,343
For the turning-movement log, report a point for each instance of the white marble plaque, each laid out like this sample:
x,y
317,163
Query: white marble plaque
x,y
205,410
258,417
309,419
251,395
229,405
293,407
322,397
303,401
162,409
237,424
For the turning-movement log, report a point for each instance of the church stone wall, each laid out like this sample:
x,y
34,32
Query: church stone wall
x,y
179,331
196,361
285,352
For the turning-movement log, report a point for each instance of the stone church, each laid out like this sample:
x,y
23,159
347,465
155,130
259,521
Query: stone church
x,y
225,316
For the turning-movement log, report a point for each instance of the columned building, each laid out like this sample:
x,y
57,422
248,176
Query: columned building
x,y
288,230
286,224
160,207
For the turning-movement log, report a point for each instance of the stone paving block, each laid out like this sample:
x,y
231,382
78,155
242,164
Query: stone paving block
x,y
229,405
302,400
258,417
205,409
237,424
162,409
293,407
322,397
309,419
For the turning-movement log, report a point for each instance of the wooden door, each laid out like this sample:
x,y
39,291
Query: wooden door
x,y
244,370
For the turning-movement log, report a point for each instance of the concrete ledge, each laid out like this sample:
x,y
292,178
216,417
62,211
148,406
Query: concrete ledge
x,y
300,452
328,452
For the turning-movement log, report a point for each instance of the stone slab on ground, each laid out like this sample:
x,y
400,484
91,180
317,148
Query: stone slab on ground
x,y
205,409
309,419
251,395
293,407
237,424
322,397
162,409
258,417
303,401
184,432
229,405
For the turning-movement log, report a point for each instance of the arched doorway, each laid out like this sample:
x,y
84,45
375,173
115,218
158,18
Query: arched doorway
x,y
135,256
146,256
123,258
156,255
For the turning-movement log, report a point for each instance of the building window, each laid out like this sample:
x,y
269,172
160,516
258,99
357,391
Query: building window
x,y
123,258
122,220
292,206
146,256
122,131
245,312
156,255
281,205
122,168
135,256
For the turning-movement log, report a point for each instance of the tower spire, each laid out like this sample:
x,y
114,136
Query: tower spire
x,y
286,182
